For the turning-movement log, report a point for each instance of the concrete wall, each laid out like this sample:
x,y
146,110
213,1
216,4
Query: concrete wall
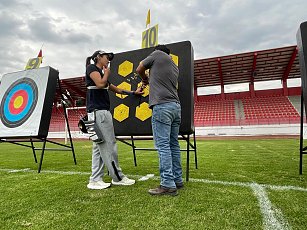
x,y
251,130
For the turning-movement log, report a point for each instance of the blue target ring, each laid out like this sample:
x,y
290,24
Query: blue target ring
x,y
18,102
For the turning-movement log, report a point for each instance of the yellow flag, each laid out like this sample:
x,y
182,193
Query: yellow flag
x,y
148,18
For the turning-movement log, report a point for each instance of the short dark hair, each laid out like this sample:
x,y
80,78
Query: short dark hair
x,y
163,48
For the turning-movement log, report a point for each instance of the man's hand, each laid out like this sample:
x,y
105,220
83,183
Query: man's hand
x,y
145,81
138,91
142,72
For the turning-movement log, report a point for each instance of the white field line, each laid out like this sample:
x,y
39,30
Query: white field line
x,y
248,184
272,217
44,171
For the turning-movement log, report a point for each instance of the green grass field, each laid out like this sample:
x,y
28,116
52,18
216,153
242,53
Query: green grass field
x,y
239,184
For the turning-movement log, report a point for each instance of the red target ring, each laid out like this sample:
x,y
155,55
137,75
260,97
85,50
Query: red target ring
x,y
18,102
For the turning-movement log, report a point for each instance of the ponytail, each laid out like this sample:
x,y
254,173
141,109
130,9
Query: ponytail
x,y
88,61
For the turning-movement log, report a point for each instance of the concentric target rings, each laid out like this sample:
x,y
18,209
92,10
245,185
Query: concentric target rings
x,y
18,102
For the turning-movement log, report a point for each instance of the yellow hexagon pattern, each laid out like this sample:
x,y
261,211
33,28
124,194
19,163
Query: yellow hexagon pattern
x,y
125,68
121,112
143,112
175,59
125,86
146,90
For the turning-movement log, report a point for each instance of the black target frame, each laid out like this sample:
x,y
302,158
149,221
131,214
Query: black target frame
x,y
301,37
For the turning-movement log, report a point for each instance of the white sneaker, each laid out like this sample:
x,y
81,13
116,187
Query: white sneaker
x,y
124,181
98,185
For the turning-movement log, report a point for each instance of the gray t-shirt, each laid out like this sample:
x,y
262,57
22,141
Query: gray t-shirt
x,y
163,78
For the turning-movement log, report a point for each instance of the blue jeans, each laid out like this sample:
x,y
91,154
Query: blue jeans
x,y
166,120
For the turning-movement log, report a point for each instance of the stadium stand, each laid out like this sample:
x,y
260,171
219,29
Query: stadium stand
x,y
249,111
252,107
217,112
74,114
57,123
267,110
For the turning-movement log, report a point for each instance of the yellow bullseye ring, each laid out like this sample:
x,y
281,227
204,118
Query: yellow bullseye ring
x,y
18,102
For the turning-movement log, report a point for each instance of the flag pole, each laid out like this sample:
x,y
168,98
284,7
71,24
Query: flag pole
x,y
40,54
148,19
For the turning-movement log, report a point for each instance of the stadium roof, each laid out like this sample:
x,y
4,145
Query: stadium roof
x,y
75,86
264,65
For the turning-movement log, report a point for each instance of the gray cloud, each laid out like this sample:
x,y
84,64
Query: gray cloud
x,y
9,25
44,29
70,31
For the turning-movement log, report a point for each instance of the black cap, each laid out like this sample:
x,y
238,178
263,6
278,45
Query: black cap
x,y
100,53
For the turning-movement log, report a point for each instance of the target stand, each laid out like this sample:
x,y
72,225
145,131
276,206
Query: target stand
x,y
26,99
190,147
301,37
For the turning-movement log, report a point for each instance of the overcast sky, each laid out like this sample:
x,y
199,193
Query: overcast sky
x,y
72,30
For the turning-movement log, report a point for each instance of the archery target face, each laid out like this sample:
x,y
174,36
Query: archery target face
x,y
22,97
18,102
136,120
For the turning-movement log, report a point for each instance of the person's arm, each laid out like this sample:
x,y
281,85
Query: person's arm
x,y
101,82
123,91
141,70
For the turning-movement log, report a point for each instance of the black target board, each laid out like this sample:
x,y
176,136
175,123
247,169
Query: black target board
x,y
301,38
26,99
131,114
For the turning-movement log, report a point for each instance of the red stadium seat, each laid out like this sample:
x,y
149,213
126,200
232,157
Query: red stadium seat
x,y
258,110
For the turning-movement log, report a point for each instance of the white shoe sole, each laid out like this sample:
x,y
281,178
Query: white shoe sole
x,y
98,187
121,183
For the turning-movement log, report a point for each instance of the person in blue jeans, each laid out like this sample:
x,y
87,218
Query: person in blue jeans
x,y
166,116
